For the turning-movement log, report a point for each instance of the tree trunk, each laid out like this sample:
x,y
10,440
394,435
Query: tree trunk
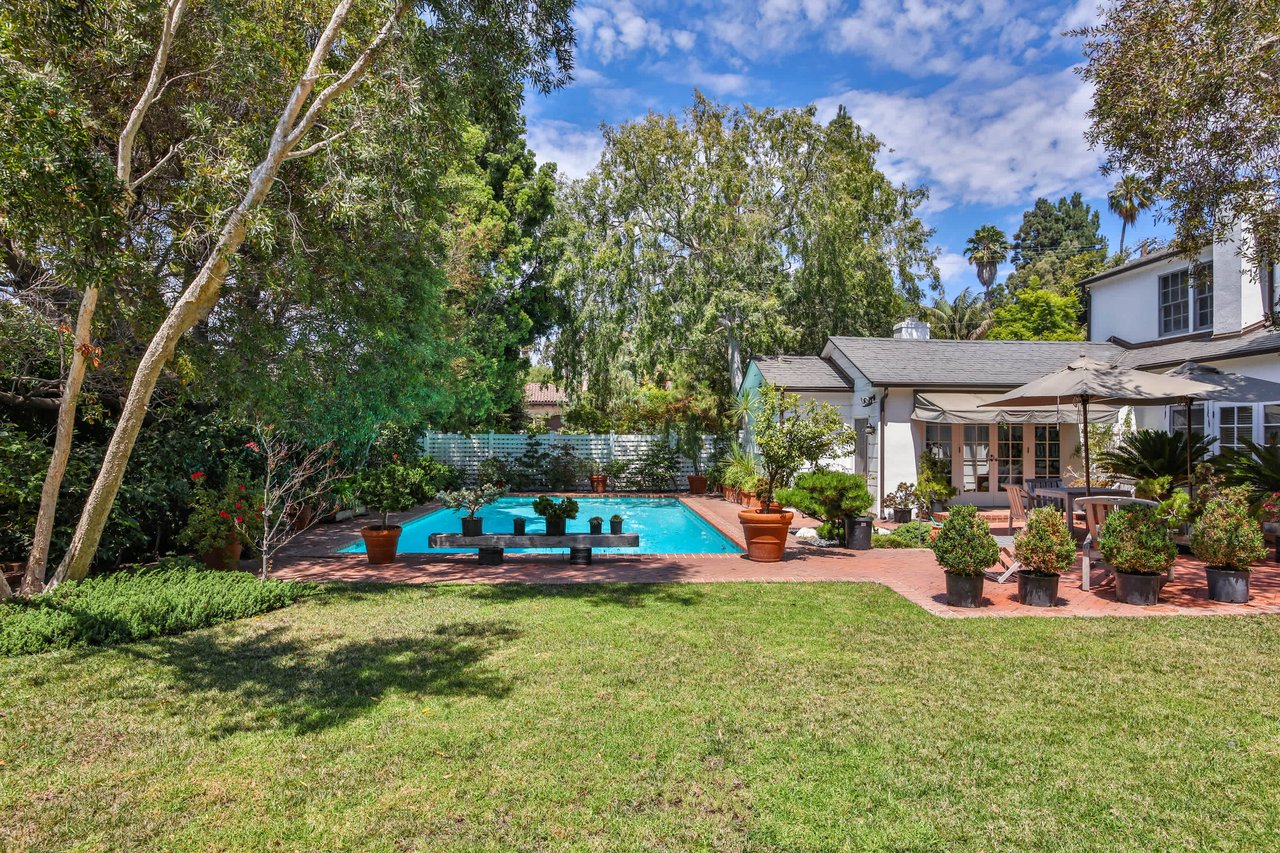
x,y
33,580
1124,223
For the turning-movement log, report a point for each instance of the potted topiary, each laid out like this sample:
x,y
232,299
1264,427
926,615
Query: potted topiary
x,y
1228,540
1136,542
902,501
837,499
386,489
1045,549
965,548
615,524
556,513
788,434
596,525
472,500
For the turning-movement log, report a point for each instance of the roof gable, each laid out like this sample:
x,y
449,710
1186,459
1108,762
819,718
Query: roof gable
x,y
974,364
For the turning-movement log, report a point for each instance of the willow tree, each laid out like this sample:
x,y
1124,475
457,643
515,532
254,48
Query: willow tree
x,y
705,238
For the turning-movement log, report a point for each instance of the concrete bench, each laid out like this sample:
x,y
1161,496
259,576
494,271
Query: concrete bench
x,y
492,546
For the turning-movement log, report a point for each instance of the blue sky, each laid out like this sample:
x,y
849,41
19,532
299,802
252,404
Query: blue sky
x,y
977,99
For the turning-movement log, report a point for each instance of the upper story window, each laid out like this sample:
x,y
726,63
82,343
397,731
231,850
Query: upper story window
x,y
1186,301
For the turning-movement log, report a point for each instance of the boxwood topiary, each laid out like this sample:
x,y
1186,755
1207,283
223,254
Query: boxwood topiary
x,y
1225,536
1045,547
1135,540
965,545
915,533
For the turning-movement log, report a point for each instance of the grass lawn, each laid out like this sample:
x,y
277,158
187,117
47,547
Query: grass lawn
x,y
720,716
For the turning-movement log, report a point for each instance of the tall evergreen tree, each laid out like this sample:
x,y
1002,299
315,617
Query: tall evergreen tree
x,y
987,249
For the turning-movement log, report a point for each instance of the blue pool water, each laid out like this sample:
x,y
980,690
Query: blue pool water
x,y
665,525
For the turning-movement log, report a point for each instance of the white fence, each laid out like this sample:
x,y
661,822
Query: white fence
x,y
468,451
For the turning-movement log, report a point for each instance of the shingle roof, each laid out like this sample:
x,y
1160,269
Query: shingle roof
x,y
1257,342
974,364
1140,261
801,373
537,393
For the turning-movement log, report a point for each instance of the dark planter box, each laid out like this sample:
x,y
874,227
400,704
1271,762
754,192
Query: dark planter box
x,y
1141,590
1037,590
555,526
964,590
857,532
472,526
517,526
615,527
901,515
1227,586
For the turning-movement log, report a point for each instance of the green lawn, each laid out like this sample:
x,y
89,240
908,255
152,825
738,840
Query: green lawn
x,y
725,716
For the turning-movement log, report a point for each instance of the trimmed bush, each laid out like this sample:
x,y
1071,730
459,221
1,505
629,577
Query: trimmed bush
x,y
174,596
965,545
1044,546
917,533
1225,536
828,496
1135,539
883,540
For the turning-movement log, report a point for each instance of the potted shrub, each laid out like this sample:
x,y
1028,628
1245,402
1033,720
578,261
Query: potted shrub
x,y
965,549
615,524
1228,540
837,499
788,434
599,479
556,513
386,489
902,501
492,469
596,525
1045,549
472,500
933,487
690,444
222,521
1136,542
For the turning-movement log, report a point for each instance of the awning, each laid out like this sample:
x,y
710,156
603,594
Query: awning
x,y
955,408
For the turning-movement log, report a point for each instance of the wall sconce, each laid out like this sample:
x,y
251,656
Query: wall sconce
x,y
869,401
869,429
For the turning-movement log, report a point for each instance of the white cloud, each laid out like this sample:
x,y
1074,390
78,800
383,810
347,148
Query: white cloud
x,y
618,31
690,73
995,145
574,148
589,76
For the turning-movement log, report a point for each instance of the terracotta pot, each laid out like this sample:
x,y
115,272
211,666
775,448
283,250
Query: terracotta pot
x,y
599,482
697,484
766,534
380,543
226,557
303,516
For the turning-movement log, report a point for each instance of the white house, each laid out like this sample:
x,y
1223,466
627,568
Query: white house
x,y
909,393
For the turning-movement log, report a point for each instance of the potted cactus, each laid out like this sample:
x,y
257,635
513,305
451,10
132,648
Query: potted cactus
x,y
1135,540
472,500
1228,540
1045,549
965,549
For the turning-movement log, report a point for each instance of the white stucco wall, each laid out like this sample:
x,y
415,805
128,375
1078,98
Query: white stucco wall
x,y
1127,305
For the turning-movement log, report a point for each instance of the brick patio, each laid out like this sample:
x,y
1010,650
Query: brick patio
x,y
911,573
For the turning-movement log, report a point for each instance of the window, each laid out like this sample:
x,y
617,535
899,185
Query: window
x,y
977,458
1203,286
1235,427
1009,454
1178,418
1175,303
1048,451
1271,423
937,440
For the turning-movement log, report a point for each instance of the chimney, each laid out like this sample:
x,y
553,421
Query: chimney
x,y
911,330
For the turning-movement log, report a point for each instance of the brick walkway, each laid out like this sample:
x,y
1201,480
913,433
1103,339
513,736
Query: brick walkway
x,y
911,573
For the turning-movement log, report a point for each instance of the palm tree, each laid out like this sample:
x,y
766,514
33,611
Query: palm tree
x,y
986,250
965,318
1129,197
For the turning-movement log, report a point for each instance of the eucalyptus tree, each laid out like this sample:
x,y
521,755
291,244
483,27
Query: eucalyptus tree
x,y
1127,199
722,233
987,249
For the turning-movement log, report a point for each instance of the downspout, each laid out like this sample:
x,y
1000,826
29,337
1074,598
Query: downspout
x,y
880,392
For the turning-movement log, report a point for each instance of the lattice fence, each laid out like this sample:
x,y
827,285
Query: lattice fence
x,y
468,451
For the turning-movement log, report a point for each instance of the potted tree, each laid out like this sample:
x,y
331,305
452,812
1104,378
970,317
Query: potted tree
x,y
933,487
1136,542
902,501
555,512
599,479
788,434
837,499
690,444
472,500
1045,549
965,549
1228,540
615,524
386,489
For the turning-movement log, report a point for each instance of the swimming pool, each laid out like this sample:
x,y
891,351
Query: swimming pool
x,y
665,525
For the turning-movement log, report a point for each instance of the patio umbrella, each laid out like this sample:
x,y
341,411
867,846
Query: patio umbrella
x,y
1088,380
1227,388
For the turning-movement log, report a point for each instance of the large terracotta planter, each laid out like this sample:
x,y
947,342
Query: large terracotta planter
x,y
697,484
226,557
599,482
766,534
380,543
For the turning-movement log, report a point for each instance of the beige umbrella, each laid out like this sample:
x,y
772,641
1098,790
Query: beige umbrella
x,y
1088,380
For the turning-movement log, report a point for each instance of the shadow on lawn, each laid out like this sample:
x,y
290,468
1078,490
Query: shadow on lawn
x,y
272,680
599,594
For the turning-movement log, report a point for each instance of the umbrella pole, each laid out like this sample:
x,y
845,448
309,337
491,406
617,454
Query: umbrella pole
x,y
1191,478
1088,475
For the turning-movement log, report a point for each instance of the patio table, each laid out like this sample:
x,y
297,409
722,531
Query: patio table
x,y
1065,496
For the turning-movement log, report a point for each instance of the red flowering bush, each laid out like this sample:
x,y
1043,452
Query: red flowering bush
x,y
221,516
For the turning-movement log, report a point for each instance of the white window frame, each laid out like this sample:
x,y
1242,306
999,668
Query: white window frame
x,y
1193,296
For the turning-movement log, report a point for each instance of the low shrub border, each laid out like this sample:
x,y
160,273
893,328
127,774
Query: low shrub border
x,y
174,596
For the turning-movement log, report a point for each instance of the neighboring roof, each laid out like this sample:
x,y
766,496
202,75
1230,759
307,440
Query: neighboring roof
x,y
802,373
538,394
973,364
1255,342
1158,255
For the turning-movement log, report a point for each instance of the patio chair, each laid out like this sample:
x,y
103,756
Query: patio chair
x,y
1034,484
1096,511
1019,506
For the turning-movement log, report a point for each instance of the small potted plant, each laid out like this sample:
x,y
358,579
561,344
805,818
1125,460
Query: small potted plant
x,y
596,524
222,521
386,489
599,479
1136,542
615,524
689,442
1228,540
902,501
1045,549
933,488
965,549
492,470
472,500
555,512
